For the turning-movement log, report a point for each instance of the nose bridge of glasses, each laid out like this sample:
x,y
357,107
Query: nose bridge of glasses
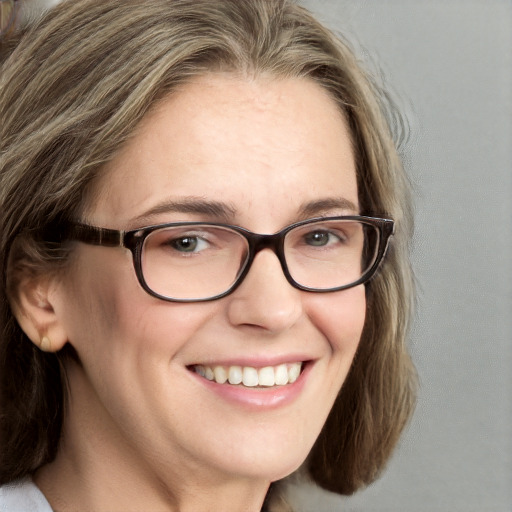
x,y
258,243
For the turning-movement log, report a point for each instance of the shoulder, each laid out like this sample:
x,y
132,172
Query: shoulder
x,y
21,496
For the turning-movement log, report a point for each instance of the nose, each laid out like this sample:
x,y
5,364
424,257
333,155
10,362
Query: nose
x,y
265,299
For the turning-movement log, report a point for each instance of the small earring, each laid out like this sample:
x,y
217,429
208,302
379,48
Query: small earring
x,y
46,344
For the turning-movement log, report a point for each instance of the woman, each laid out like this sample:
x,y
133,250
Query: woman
x,y
156,353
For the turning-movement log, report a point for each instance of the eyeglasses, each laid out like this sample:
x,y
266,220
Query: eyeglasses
x,y
8,11
201,261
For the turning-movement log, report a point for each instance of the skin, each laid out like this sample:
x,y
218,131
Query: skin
x,y
142,431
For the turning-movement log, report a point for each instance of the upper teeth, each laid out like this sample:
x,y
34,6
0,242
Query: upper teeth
x,y
251,377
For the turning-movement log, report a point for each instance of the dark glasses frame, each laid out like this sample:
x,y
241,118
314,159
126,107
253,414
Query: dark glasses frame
x,y
133,240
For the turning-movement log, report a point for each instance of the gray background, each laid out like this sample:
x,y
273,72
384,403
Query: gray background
x,y
449,64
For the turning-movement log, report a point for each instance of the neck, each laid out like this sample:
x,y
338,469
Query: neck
x,y
96,468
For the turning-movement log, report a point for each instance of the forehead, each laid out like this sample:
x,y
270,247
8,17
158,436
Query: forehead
x,y
222,137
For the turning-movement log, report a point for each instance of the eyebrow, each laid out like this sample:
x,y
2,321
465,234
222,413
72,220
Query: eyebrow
x,y
226,211
319,206
190,204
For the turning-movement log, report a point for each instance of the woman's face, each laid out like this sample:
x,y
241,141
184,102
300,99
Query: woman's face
x,y
266,153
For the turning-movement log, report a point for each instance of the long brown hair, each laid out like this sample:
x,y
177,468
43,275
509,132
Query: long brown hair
x,y
74,89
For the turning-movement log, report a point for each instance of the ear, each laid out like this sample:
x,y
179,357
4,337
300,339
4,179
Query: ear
x,y
34,310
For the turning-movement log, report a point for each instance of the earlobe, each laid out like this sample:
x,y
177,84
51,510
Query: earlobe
x,y
35,312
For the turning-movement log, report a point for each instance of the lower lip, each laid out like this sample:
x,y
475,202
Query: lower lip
x,y
258,398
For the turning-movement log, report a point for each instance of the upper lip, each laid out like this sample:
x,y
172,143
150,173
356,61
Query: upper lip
x,y
255,362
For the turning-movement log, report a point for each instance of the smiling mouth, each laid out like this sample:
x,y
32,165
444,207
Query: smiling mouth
x,y
248,376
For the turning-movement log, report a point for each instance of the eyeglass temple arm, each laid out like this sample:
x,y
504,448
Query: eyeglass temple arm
x,y
92,235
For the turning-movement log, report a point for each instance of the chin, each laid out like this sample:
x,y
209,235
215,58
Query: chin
x,y
269,461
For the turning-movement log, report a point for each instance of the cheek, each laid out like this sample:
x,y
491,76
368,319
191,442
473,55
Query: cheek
x,y
96,292
105,311
340,316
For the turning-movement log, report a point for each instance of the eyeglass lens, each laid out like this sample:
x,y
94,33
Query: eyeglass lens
x,y
202,261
